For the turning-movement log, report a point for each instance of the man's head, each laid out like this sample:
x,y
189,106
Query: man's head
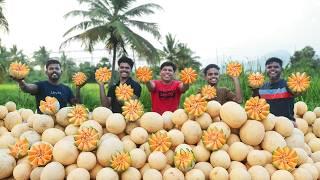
x,y
211,74
167,70
274,68
125,66
53,70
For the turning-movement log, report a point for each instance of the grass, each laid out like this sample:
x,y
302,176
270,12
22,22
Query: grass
x,y
90,93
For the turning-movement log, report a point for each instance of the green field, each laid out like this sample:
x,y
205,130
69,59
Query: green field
x,y
90,94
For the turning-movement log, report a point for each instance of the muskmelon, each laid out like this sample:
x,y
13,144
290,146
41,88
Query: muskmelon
x,y
86,160
101,114
233,114
107,173
151,121
252,132
192,132
220,158
53,169
7,165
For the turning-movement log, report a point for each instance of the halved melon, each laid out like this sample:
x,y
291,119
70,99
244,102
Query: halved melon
x,y
160,142
20,148
79,78
213,138
208,92
184,159
40,154
49,106
188,76
103,75
255,80
234,69
132,110
257,108
195,105
144,74
124,92
121,161
86,139
78,114
298,82
18,70
285,158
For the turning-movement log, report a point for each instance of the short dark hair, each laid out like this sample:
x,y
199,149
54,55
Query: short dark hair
x,y
274,59
125,59
168,63
206,69
52,61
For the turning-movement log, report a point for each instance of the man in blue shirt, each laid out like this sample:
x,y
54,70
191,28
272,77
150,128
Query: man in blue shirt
x,y
51,87
276,91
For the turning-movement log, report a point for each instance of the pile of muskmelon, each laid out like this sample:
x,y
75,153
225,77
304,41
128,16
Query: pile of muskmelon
x,y
205,140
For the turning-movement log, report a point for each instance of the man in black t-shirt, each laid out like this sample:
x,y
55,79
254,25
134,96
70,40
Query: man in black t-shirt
x,y
110,101
276,91
51,87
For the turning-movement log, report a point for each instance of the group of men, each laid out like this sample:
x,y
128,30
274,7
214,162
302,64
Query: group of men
x,y
166,92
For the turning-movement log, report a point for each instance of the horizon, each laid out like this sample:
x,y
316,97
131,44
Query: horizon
x,y
216,31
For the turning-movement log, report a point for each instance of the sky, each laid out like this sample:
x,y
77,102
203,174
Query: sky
x,y
213,29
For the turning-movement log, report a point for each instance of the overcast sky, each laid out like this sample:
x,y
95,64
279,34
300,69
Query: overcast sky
x,y
239,29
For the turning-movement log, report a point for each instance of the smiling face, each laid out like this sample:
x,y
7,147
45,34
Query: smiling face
x,y
273,70
53,72
212,76
124,70
167,74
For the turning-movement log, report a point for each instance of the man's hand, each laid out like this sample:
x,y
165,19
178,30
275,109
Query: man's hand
x,y
79,87
17,80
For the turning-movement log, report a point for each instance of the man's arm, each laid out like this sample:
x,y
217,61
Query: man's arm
x,y
255,92
76,100
183,87
28,88
150,85
105,101
236,83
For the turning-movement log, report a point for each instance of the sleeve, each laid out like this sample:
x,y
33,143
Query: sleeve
x,y
137,90
177,84
40,85
111,91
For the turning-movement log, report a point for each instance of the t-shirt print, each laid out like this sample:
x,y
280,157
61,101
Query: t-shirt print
x,y
55,92
167,94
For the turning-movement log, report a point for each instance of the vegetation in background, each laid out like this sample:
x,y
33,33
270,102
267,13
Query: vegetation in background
x,y
3,20
110,22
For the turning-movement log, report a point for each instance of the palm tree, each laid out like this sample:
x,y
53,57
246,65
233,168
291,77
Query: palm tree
x,y
17,55
186,58
4,62
41,56
170,50
3,21
180,54
68,67
110,22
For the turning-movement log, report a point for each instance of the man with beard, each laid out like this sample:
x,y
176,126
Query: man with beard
x,y
276,91
212,74
51,87
110,100
166,92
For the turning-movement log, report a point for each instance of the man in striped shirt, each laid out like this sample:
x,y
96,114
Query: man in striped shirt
x,y
276,91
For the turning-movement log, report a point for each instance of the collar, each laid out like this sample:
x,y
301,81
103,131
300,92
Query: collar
x,y
129,80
